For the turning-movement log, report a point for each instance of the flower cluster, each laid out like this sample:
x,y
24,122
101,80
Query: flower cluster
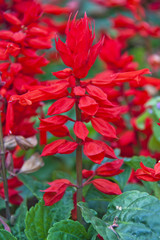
x,y
24,35
91,105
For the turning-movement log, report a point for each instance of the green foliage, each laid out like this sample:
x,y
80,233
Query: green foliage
x,y
2,203
122,178
33,185
137,216
98,224
4,235
19,227
40,218
135,213
67,230
153,144
134,162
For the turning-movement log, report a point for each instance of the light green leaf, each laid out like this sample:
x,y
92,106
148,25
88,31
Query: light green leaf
x,y
4,235
156,131
156,111
67,230
41,218
153,101
141,120
153,144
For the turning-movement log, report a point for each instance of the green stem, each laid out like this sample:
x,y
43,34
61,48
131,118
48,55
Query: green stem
x,y
3,171
79,163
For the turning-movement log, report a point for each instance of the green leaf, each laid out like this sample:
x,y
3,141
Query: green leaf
x,y
33,185
4,235
134,186
153,144
92,234
2,203
19,227
134,162
156,111
67,230
141,120
99,225
40,218
156,131
122,178
97,200
137,216
153,101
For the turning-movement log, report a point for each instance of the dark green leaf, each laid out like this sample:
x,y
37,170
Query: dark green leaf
x,y
4,235
41,218
99,225
19,227
2,203
67,230
137,216
122,178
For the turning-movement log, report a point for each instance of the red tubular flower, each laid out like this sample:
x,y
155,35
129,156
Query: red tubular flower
x,y
106,186
103,127
61,146
149,174
78,52
14,197
110,169
80,130
56,191
94,152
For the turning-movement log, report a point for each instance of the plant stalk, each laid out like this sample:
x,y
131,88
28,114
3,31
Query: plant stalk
x,y
3,171
79,163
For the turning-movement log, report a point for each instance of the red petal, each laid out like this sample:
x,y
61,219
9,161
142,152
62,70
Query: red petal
x,y
107,149
39,43
103,127
56,10
87,173
79,91
11,18
80,130
110,168
63,131
53,122
88,105
67,147
106,186
52,148
63,74
96,92
157,169
94,152
54,193
140,174
64,53
60,106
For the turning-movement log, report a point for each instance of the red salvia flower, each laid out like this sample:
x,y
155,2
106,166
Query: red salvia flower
x,y
56,191
149,174
78,52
